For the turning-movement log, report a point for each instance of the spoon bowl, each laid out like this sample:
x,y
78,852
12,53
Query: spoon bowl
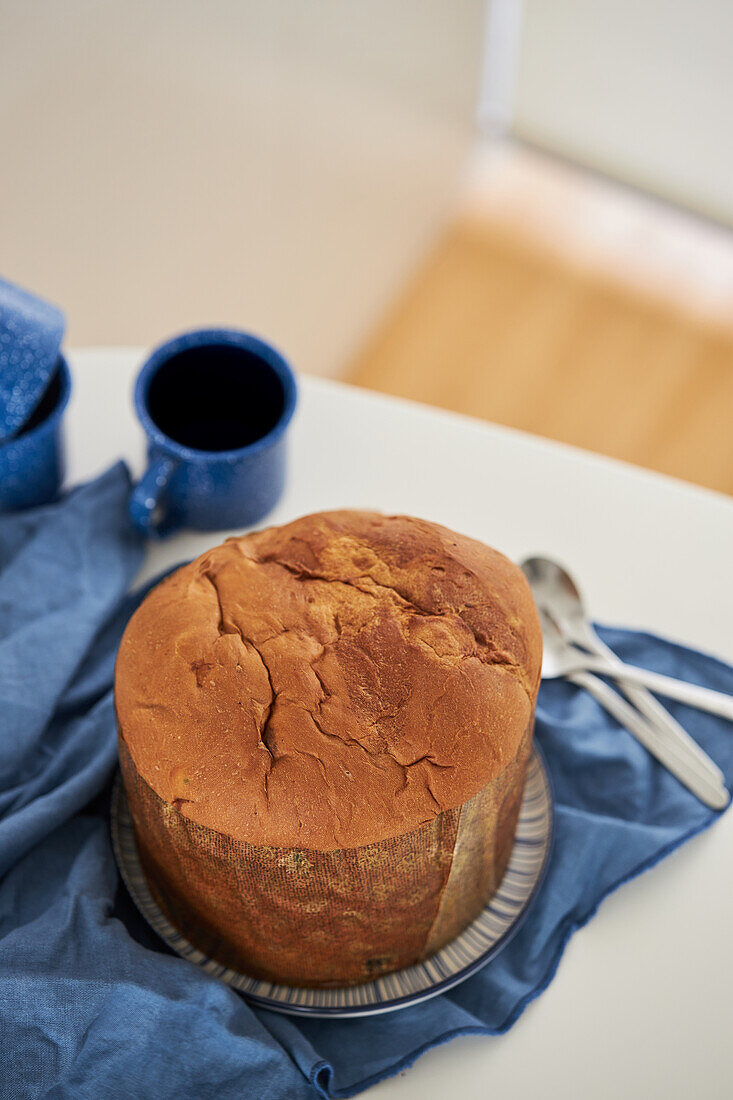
x,y
556,653
555,590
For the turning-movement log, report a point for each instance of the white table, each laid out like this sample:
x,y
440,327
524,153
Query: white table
x,y
641,1004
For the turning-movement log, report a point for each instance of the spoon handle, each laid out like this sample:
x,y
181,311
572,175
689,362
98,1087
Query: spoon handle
x,y
707,787
650,707
695,696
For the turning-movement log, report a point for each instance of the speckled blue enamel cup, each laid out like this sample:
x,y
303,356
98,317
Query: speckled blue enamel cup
x,y
31,464
215,405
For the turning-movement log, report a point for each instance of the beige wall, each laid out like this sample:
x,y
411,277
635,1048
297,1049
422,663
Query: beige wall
x,y
278,165
642,91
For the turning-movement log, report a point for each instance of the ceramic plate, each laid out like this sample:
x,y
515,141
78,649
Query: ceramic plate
x,y
458,960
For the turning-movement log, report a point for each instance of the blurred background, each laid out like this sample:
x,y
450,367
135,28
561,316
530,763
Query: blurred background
x,y
521,210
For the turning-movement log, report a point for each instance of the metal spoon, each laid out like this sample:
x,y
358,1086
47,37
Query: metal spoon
x,y
561,658
705,786
557,594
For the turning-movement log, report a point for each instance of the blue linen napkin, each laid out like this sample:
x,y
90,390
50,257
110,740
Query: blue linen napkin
x,y
92,1004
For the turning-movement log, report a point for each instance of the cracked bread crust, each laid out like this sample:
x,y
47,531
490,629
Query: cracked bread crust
x,y
331,683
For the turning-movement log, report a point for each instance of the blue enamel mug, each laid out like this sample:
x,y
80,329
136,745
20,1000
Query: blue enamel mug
x,y
215,405
31,463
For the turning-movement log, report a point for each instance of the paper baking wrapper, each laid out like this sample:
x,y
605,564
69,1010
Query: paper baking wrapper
x,y
323,919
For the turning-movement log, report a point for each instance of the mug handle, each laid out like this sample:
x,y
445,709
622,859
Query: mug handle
x,y
148,495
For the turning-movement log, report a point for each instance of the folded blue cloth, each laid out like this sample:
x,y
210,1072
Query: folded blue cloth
x,y
92,1004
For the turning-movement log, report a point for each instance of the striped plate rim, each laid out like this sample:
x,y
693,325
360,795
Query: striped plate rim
x,y
480,942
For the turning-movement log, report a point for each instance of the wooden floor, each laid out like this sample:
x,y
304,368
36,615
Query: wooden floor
x,y
499,327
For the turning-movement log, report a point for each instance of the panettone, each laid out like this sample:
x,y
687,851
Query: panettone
x,y
324,731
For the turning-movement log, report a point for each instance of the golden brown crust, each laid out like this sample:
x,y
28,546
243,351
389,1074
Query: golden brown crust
x,y
330,918
330,683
